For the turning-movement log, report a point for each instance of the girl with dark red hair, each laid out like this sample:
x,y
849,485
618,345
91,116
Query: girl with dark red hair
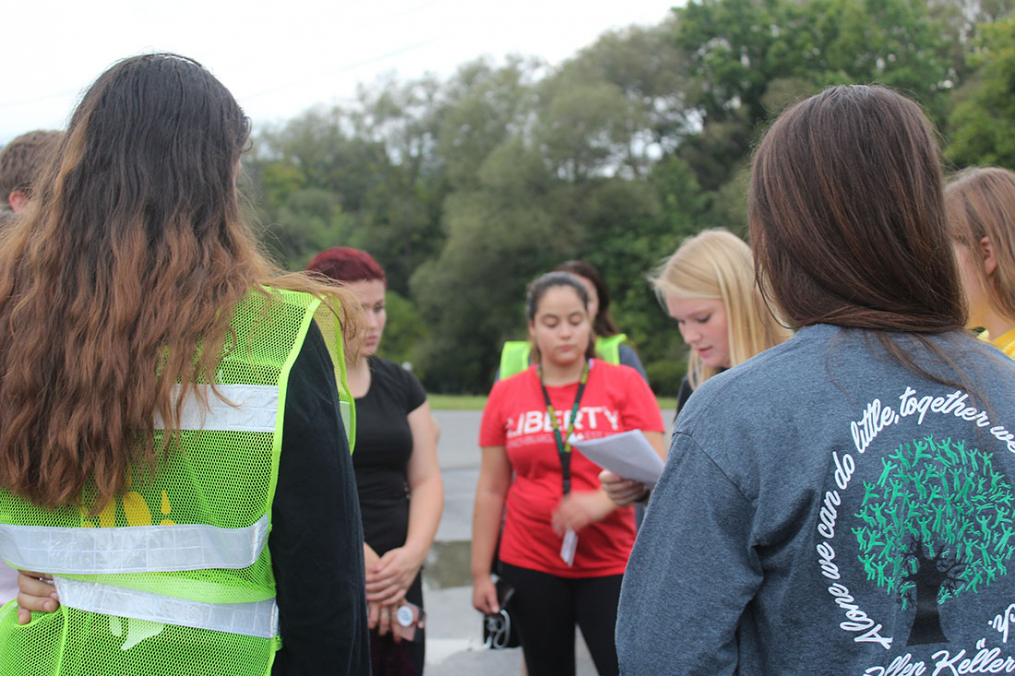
x,y
397,475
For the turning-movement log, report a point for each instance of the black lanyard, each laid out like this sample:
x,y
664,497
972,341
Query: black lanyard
x,y
564,443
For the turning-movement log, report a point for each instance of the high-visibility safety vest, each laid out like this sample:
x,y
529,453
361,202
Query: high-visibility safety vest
x,y
174,575
515,356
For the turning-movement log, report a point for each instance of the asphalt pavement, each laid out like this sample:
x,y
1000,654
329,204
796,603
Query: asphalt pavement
x,y
454,628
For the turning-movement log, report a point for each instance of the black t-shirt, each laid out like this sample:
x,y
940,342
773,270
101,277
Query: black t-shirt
x,y
316,541
383,449
683,394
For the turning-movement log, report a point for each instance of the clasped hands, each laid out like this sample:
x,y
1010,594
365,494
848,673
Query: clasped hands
x,y
388,578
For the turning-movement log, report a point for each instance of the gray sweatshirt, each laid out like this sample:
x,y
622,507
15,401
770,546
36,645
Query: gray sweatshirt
x,y
825,510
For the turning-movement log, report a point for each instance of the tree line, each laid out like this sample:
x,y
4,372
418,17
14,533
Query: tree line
x,y
466,188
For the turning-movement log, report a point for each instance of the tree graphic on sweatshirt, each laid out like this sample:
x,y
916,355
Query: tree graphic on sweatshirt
x,y
937,524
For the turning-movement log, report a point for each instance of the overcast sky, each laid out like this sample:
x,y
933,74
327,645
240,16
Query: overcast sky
x,y
281,57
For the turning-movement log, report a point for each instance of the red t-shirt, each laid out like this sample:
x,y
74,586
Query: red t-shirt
x,y
616,400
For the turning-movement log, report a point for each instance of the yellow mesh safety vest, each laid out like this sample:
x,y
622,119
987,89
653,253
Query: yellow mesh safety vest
x,y
514,358
174,575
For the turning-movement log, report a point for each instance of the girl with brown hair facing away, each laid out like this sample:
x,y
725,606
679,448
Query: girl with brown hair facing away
x,y
173,452
981,215
838,504
397,474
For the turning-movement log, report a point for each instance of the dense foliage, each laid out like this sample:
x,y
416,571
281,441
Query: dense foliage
x,y
465,189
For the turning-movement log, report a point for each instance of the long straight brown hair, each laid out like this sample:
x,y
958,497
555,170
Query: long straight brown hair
x,y
847,217
120,281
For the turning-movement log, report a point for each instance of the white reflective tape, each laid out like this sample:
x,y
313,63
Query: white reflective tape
x,y
247,408
132,549
259,618
345,410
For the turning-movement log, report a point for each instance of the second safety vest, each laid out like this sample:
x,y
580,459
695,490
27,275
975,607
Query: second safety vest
x,y
174,575
516,355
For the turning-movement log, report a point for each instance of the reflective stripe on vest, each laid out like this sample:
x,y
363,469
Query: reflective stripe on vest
x,y
345,409
245,408
259,618
132,549
331,332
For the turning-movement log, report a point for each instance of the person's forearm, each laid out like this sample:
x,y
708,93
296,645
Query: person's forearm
x,y
605,503
425,507
485,531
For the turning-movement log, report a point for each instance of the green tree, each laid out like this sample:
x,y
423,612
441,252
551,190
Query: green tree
x,y
644,65
400,218
937,523
486,106
404,332
736,48
499,236
746,60
466,187
980,124
310,179
377,159
586,129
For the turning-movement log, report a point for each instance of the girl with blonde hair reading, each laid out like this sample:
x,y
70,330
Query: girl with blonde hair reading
x,y
708,288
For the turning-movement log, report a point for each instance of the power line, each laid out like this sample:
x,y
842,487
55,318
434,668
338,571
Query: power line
x,y
343,69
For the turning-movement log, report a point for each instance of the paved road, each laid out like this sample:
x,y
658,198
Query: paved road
x,y
454,635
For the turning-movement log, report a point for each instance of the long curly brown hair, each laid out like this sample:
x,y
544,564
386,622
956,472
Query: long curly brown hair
x,y
120,281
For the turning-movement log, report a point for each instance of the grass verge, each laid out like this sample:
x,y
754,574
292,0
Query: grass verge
x,y
456,402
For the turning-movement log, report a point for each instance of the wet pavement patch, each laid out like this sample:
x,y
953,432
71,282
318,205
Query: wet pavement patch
x,y
447,564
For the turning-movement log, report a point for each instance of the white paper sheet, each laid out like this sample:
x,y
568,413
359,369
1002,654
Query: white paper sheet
x,y
568,547
627,454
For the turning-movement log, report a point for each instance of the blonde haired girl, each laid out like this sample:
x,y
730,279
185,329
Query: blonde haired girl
x,y
980,205
708,287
